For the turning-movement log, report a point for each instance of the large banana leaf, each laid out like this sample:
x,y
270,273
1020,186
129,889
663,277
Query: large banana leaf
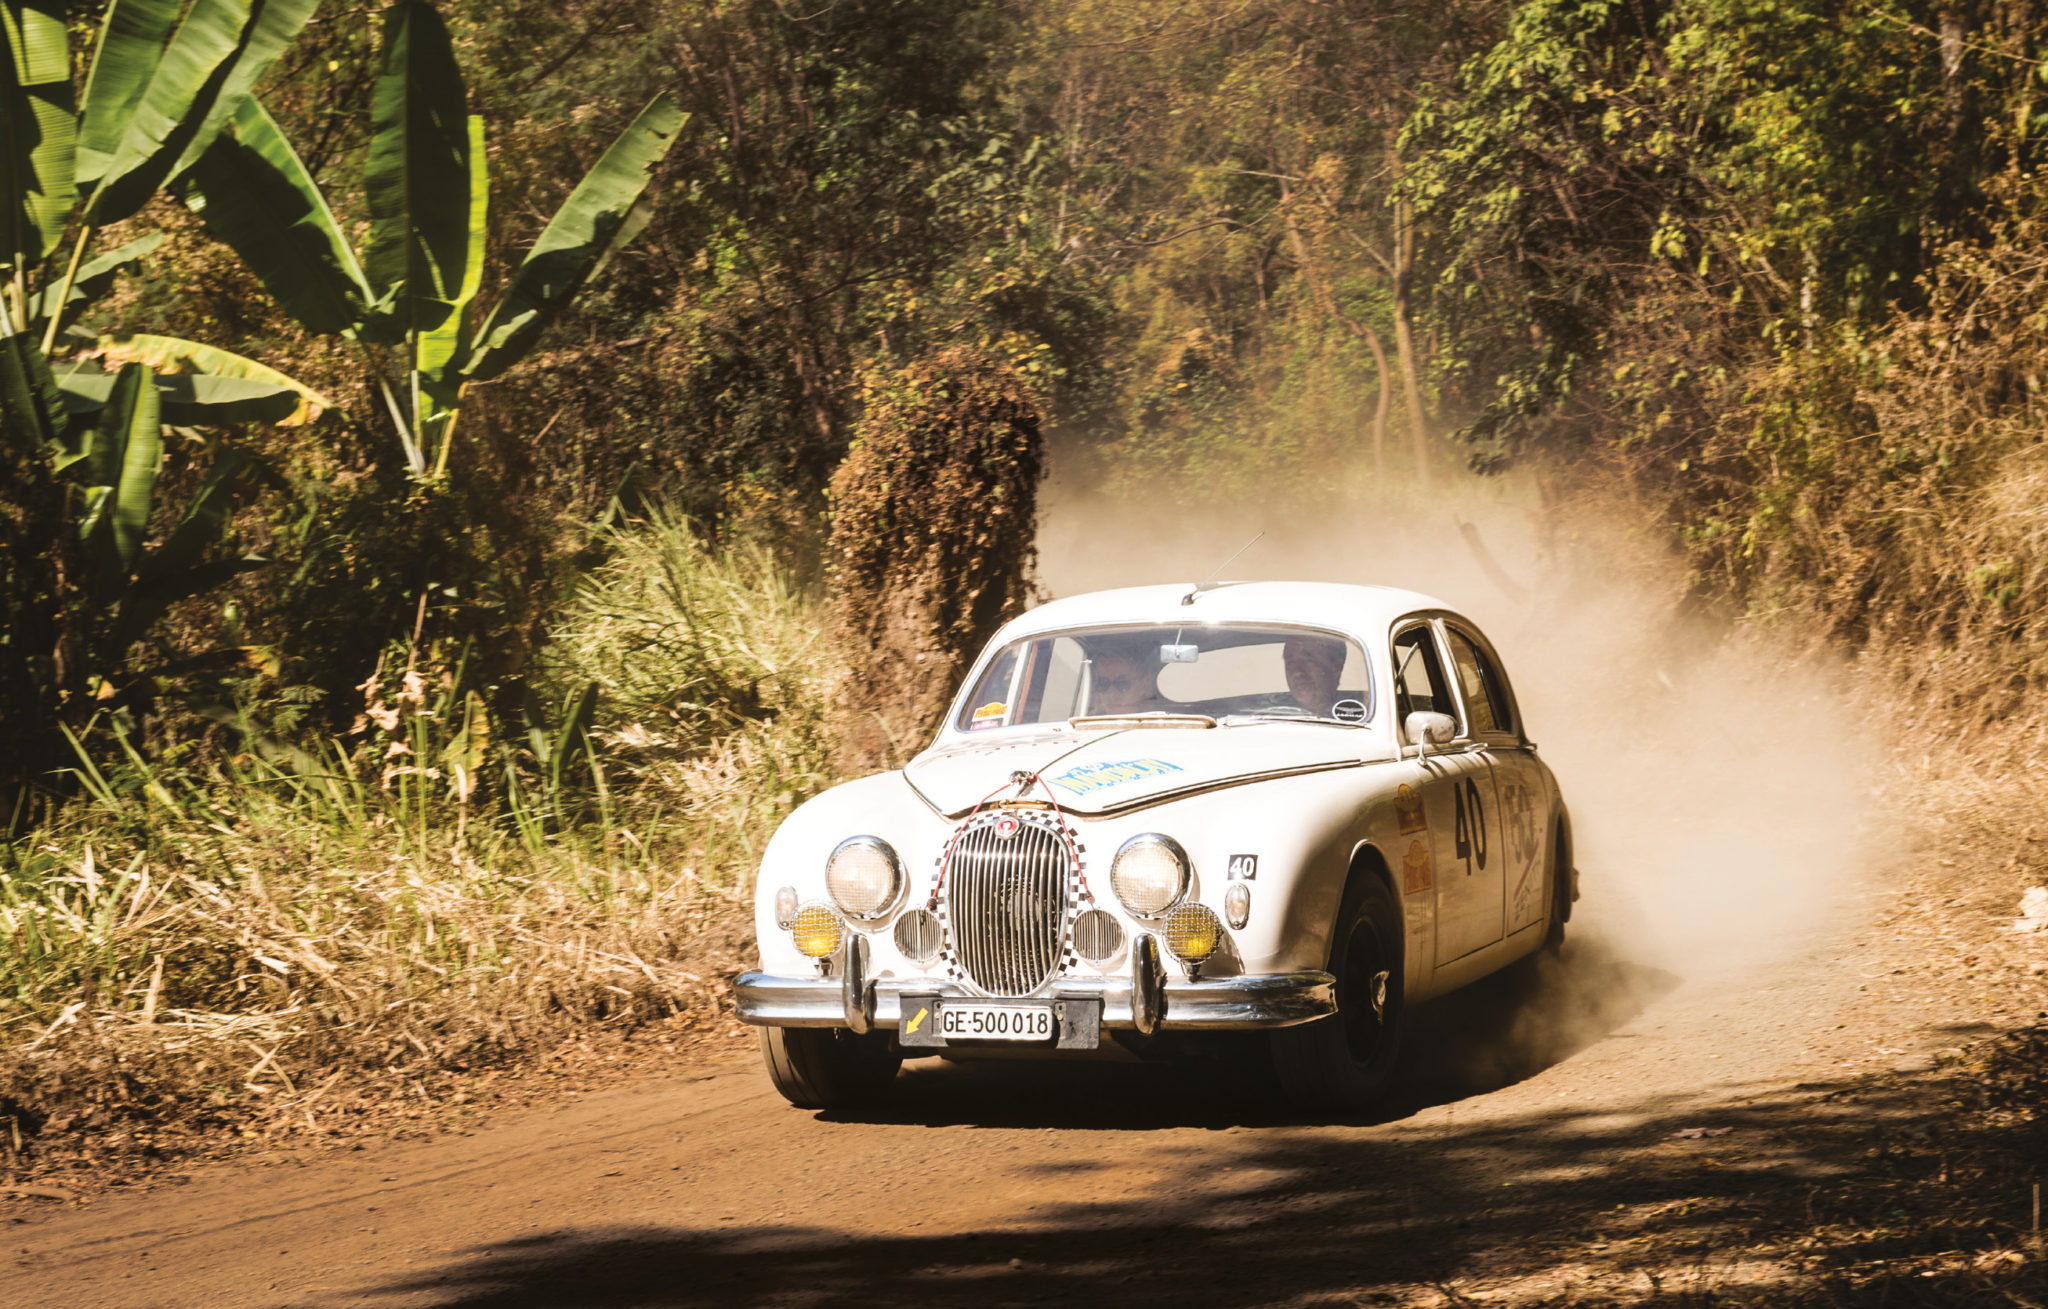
x,y
273,26
132,38
189,398
417,176
174,354
31,407
440,347
127,449
253,192
37,132
178,100
597,218
94,279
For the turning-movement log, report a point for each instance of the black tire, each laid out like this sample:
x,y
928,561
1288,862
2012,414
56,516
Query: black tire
x,y
1560,897
827,1067
1345,1063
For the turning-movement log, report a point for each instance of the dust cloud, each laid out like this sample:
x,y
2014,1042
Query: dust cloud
x,y
1720,784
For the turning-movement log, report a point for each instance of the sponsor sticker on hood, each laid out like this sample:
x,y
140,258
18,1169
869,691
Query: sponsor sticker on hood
x,y
1085,779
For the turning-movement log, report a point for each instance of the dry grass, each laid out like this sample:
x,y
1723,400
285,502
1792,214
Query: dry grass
x,y
307,926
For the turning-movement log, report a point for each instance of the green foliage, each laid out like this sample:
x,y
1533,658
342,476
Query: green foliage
x,y
81,449
854,192
685,640
709,672
426,191
1752,168
1229,171
277,220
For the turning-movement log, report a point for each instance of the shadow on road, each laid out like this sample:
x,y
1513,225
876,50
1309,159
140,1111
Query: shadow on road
x,y
1489,1035
1796,1201
1826,1194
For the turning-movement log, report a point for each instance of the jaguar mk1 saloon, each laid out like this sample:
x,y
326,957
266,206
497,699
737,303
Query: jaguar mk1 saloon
x,y
1286,811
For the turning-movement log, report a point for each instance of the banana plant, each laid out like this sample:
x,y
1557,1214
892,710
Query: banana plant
x,y
80,446
163,80
134,585
409,301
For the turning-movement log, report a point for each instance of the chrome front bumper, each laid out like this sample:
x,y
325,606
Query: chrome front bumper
x,y
1144,1001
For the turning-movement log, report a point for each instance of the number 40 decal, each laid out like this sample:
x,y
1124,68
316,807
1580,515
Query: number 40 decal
x,y
1471,825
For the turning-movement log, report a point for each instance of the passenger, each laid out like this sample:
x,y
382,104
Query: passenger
x,y
1313,663
1119,683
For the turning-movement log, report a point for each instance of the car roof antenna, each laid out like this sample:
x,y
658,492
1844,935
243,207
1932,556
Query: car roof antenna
x,y
1210,583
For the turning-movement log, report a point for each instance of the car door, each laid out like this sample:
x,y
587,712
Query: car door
x,y
1519,781
1458,804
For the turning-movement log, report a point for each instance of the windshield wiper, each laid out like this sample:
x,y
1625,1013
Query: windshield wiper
x,y
1146,718
1270,716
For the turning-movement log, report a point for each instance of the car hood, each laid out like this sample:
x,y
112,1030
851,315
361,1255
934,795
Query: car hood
x,y
1105,771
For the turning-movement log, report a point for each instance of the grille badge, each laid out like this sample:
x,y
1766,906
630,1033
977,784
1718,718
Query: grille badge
x,y
1007,827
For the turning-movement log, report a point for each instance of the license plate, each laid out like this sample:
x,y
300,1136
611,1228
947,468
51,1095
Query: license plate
x,y
995,1022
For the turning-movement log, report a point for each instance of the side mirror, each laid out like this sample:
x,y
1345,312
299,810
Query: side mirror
x,y
1426,729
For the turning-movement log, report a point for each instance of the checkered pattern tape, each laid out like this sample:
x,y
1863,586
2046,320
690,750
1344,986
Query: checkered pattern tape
x,y
949,954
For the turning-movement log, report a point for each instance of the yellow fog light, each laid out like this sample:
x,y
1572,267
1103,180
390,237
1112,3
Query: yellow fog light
x,y
1192,933
817,930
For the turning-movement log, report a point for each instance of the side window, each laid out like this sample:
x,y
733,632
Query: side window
x,y
990,706
1481,685
1419,684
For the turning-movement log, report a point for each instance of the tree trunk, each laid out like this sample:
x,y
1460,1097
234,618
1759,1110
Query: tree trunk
x,y
1328,301
1381,402
1404,337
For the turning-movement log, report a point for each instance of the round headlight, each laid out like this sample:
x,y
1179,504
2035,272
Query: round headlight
x,y
1150,874
817,930
1193,933
863,877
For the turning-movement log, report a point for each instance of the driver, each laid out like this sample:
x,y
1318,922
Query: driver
x,y
1119,682
1313,665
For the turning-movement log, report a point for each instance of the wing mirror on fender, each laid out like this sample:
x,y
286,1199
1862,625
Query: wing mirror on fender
x,y
1426,729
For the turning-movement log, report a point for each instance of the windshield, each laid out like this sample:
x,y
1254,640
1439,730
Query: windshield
x,y
1268,672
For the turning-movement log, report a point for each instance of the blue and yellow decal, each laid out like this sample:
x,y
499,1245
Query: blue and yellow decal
x,y
1096,777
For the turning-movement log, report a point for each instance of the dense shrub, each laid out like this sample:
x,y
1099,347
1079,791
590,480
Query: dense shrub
x,y
934,520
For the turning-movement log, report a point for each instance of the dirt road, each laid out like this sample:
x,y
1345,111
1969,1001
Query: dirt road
x,y
1554,1129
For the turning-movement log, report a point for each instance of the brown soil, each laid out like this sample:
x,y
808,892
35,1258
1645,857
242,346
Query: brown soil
x,y
1856,1124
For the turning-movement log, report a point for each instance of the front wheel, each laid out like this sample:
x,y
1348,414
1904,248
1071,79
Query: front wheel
x,y
1345,1063
1560,904
827,1067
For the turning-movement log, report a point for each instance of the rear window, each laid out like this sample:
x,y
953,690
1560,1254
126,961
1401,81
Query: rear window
x,y
1481,685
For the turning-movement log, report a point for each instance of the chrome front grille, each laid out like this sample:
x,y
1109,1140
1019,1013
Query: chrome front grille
x,y
1007,903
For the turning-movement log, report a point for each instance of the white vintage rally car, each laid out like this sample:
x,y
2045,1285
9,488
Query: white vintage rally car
x,y
1160,814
